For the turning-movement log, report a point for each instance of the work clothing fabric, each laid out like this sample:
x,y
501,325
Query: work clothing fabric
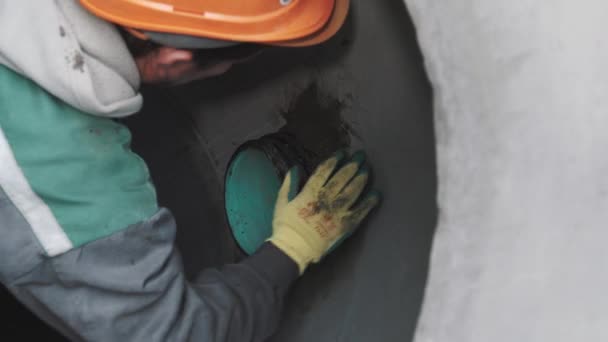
x,y
520,108
83,242
72,54
85,246
323,213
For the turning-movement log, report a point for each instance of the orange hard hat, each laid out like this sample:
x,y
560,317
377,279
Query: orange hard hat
x,y
211,23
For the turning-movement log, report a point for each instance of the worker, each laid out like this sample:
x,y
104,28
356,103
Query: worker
x,y
83,243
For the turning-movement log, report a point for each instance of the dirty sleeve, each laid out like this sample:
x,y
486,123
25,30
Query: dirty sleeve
x,y
130,286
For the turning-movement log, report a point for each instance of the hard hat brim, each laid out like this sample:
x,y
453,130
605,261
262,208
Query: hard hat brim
x,y
336,22
303,22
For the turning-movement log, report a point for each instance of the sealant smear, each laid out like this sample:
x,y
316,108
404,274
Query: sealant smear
x,y
314,119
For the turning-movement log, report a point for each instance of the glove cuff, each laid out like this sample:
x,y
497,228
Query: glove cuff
x,y
295,248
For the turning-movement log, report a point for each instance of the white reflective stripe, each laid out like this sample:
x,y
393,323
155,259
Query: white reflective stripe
x,y
39,216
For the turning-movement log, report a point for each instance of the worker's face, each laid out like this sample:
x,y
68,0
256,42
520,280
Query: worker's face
x,y
171,66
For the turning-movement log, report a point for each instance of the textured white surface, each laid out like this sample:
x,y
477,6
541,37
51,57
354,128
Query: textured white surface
x,y
521,96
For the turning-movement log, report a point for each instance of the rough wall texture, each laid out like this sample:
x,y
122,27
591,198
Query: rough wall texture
x,y
521,123
369,83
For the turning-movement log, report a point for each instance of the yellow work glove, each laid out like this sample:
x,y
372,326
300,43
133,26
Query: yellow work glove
x,y
322,214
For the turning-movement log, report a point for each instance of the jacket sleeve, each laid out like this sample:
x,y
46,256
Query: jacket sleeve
x,y
130,286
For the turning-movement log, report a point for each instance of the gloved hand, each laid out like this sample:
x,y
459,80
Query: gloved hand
x,y
320,216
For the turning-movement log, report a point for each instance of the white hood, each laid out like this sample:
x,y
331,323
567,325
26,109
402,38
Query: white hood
x,y
72,54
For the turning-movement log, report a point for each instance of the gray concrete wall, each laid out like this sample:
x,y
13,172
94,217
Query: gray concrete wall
x,y
370,79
